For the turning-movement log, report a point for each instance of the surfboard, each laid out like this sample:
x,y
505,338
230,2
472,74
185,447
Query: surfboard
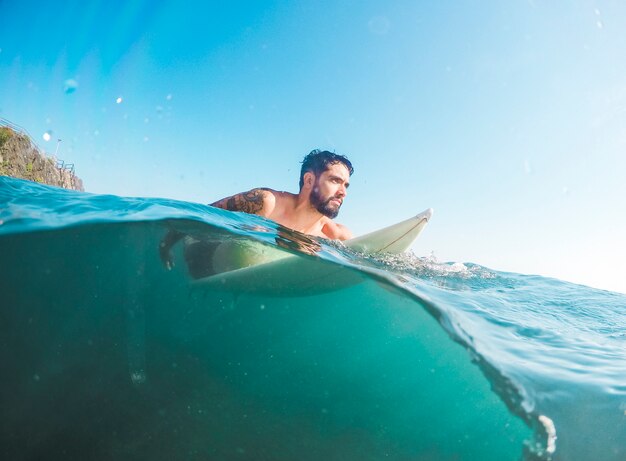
x,y
269,271
394,239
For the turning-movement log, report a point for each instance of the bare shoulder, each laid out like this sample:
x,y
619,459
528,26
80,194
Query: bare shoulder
x,y
336,231
260,201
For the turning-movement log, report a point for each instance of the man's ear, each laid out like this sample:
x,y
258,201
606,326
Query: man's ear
x,y
309,179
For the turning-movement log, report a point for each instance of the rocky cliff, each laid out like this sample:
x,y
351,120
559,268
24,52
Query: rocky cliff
x,y
20,158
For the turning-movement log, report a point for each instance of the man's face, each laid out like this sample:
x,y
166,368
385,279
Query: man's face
x,y
329,190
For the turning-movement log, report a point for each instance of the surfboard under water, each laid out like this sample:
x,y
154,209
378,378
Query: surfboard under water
x,y
254,267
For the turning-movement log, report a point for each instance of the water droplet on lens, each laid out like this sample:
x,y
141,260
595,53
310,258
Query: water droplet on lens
x,y
69,86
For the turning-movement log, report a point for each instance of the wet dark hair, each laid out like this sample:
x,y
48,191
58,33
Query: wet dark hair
x,y
318,161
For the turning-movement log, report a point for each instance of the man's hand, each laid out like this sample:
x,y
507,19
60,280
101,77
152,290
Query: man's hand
x,y
165,246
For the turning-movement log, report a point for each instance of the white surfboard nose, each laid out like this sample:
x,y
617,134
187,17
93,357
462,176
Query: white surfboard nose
x,y
393,239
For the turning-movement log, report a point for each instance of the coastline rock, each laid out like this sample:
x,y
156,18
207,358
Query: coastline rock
x,y
20,158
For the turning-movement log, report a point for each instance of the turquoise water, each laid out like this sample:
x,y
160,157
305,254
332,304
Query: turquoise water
x,y
107,355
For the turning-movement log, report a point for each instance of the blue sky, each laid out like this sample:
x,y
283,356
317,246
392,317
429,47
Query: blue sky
x,y
507,118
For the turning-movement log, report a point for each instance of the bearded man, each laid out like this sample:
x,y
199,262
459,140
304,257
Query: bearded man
x,y
324,182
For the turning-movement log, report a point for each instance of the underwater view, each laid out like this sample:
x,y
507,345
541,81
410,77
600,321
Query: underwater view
x,y
138,322
108,354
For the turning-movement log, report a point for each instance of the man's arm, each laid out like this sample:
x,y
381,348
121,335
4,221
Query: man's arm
x,y
260,201
343,232
166,244
336,231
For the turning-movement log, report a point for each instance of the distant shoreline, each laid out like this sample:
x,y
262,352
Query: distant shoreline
x,y
21,158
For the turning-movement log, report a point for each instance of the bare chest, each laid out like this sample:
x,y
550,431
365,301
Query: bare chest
x,y
317,228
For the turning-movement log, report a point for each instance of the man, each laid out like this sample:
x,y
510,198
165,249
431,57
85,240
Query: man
x,y
324,182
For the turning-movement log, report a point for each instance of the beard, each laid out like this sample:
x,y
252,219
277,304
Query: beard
x,y
323,206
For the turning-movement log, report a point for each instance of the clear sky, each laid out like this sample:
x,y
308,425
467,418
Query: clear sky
x,y
508,118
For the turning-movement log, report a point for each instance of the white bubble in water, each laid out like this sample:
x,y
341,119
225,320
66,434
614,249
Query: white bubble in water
x,y
168,97
119,100
69,86
138,377
550,428
47,136
458,267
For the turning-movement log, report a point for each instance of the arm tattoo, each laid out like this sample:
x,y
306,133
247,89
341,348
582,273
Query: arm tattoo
x,y
249,202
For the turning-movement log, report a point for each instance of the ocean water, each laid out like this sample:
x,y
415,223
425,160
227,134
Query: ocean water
x,y
106,354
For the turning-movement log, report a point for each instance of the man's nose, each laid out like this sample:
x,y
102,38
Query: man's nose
x,y
342,192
